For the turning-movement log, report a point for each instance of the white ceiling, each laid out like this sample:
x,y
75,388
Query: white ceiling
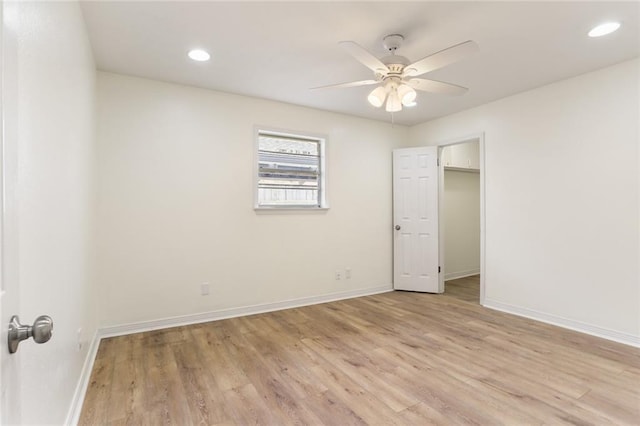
x,y
278,50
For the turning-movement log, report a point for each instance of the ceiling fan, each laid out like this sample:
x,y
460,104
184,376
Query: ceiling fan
x,y
395,75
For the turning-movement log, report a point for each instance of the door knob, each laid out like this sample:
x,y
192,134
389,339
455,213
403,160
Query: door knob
x,y
397,227
40,331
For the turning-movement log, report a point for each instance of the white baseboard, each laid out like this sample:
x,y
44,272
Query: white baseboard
x,y
73,416
461,274
137,327
594,330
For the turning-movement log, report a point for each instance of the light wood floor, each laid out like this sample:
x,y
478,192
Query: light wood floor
x,y
466,289
394,358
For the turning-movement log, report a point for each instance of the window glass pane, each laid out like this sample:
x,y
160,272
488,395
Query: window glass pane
x,y
285,144
288,171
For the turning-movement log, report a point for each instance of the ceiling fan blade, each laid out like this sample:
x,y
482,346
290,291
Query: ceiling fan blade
x,y
364,56
434,86
441,59
350,84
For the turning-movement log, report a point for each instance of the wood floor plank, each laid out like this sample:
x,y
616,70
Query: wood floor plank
x,y
165,395
424,414
328,407
248,408
204,398
365,375
286,360
211,343
363,405
548,405
397,358
95,407
268,382
612,407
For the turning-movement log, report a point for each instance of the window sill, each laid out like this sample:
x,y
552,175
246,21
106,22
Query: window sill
x,y
290,210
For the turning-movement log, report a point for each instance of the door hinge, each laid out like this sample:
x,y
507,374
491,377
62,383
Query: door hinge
x,y
438,269
438,161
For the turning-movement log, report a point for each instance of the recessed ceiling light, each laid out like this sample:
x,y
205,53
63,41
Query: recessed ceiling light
x,y
199,55
604,29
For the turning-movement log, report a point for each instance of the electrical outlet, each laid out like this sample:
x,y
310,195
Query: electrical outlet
x,y
347,273
338,275
204,289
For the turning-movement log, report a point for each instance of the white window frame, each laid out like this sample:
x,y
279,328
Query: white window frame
x,y
322,193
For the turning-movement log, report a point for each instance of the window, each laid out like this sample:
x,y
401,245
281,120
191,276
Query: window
x,y
290,171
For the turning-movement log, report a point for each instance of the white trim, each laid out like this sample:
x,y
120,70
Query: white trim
x,y
137,327
483,223
594,330
284,210
324,175
461,274
73,415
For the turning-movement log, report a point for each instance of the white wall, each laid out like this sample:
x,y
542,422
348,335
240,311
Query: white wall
x,y
561,199
55,107
176,204
461,224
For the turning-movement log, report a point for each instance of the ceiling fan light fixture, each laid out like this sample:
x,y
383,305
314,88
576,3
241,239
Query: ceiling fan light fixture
x,y
377,96
393,102
604,29
407,94
394,73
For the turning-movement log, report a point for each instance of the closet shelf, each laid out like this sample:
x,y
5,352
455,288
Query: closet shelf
x,y
462,169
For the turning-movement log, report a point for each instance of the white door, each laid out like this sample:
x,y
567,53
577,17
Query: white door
x,y
415,214
9,367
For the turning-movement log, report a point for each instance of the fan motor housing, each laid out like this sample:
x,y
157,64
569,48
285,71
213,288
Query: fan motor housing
x,y
395,59
395,68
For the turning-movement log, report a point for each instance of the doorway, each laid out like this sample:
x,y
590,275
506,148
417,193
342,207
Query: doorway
x,y
461,193
420,233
